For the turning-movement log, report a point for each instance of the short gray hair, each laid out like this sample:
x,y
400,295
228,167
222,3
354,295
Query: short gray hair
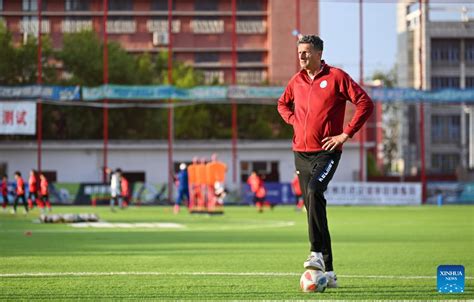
x,y
314,40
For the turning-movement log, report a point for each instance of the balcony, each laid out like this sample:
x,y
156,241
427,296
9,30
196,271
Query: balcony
x,y
121,26
207,26
74,26
161,26
31,26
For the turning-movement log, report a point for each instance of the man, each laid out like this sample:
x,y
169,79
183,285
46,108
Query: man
x,y
314,104
33,190
183,187
295,186
125,191
115,189
258,190
20,192
4,190
44,192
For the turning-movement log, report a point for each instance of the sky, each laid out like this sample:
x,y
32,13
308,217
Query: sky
x,y
339,29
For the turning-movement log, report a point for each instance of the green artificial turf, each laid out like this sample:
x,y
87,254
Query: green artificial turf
x,y
379,253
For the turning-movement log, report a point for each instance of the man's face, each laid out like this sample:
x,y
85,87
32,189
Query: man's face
x,y
309,57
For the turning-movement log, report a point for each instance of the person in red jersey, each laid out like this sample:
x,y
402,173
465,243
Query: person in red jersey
x,y
4,191
314,104
20,192
125,191
33,190
295,186
44,191
258,189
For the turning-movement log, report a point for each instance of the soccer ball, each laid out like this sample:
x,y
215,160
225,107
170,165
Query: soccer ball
x,y
313,281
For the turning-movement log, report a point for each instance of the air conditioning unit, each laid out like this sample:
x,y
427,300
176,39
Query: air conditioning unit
x,y
160,38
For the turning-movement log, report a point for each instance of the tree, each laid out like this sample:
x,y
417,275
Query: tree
x,y
19,65
391,121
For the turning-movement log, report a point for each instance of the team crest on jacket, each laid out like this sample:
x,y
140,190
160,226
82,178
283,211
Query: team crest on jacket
x,y
323,84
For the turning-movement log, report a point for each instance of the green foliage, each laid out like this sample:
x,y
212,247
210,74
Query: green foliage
x,y
19,65
241,255
82,64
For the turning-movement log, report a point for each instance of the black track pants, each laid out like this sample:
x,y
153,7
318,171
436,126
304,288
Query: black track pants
x,y
315,170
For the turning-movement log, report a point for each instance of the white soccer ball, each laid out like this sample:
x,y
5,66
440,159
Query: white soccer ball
x,y
313,281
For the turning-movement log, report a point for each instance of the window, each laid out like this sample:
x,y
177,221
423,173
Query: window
x,y
161,25
1,5
120,25
251,25
161,5
76,24
445,128
469,82
469,54
207,26
29,24
206,5
76,5
269,169
32,5
206,57
213,77
445,163
250,57
135,176
249,5
51,176
121,5
444,82
248,77
445,51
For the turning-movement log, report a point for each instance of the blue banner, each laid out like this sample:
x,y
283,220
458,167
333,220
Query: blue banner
x,y
412,95
54,93
163,92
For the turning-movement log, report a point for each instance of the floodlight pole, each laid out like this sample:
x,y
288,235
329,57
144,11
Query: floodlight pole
x,y
298,29
39,81
170,102
362,157
422,110
234,80
105,74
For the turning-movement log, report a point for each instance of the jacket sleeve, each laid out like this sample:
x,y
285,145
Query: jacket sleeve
x,y
285,105
364,105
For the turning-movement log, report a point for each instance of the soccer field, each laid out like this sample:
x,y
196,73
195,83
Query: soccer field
x,y
379,253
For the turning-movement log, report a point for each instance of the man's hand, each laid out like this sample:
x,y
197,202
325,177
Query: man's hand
x,y
332,142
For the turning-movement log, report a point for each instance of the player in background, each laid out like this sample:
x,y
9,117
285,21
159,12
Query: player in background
x,y
114,188
258,189
4,191
44,192
183,188
20,192
314,103
295,186
33,190
125,191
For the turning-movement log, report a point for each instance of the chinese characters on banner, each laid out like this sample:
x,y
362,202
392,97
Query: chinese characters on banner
x,y
17,118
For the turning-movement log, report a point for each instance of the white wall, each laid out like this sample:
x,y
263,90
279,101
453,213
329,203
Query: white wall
x,y
82,161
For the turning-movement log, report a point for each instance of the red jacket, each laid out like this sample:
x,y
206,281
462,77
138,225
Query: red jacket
x,y
32,184
20,186
43,187
295,184
315,108
4,188
125,189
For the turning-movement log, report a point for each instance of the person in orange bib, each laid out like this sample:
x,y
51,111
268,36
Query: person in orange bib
x,y
124,191
33,191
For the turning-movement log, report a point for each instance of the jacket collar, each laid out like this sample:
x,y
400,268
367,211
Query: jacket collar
x,y
324,68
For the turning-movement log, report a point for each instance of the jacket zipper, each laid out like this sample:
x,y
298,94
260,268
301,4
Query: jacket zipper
x,y
306,117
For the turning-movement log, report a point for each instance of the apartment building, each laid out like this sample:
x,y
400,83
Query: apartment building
x,y
201,31
447,61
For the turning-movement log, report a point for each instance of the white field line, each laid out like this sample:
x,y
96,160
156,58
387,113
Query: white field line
x,y
264,274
